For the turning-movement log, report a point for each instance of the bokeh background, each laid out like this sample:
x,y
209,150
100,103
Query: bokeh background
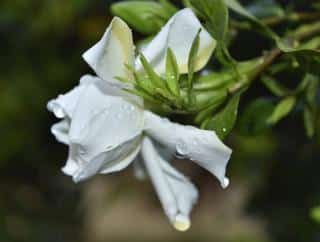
x,y
275,175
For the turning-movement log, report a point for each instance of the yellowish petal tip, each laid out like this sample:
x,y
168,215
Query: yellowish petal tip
x,y
181,223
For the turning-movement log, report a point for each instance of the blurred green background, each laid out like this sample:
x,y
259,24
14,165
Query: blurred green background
x,y
275,179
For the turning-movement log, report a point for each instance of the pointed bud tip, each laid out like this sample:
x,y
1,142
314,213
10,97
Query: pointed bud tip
x,y
181,223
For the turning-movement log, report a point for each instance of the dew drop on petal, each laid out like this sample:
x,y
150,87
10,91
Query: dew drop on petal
x,y
182,148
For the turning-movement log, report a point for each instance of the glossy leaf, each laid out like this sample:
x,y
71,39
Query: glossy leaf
x,y
309,121
238,8
145,16
283,108
265,8
315,214
192,58
253,121
216,16
223,122
172,73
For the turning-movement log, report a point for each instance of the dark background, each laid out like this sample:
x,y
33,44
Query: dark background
x,y
275,176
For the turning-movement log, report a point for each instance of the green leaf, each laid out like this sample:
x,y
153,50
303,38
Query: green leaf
x,y
253,121
226,76
282,109
192,58
168,6
309,121
279,90
216,16
210,107
146,17
311,44
154,77
257,24
310,109
223,122
265,8
274,87
172,73
312,89
315,214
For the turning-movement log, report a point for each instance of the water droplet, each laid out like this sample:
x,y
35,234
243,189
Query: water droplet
x,y
182,148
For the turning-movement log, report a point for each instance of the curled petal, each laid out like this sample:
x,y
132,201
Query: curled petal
x,y
176,193
109,56
101,121
61,131
113,160
104,133
139,170
64,105
179,34
201,146
73,164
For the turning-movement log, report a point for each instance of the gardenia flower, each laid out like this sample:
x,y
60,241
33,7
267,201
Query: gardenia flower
x,y
107,128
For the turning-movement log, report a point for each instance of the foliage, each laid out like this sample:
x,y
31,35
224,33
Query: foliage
x,y
268,52
298,46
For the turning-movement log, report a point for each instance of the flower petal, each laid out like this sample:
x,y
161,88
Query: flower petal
x,y
64,105
61,131
72,165
178,34
201,146
109,56
113,160
176,193
105,132
101,122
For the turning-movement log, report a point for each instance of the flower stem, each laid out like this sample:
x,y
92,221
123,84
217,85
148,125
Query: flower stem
x,y
272,55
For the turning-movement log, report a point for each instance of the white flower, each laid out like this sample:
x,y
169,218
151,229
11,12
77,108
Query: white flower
x,y
106,128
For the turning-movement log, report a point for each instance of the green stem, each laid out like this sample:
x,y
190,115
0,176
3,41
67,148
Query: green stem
x,y
272,55
293,17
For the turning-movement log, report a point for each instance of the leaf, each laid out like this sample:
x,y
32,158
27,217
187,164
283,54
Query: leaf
x,y
172,73
310,109
155,79
265,8
253,121
238,8
274,87
218,79
211,107
223,122
312,89
192,58
216,16
279,90
315,214
311,44
282,110
309,121
146,17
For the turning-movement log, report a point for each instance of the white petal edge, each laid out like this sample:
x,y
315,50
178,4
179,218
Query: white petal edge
x,y
115,49
176,193
178,34
102,122
61,131
64,105
201,146
113,160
